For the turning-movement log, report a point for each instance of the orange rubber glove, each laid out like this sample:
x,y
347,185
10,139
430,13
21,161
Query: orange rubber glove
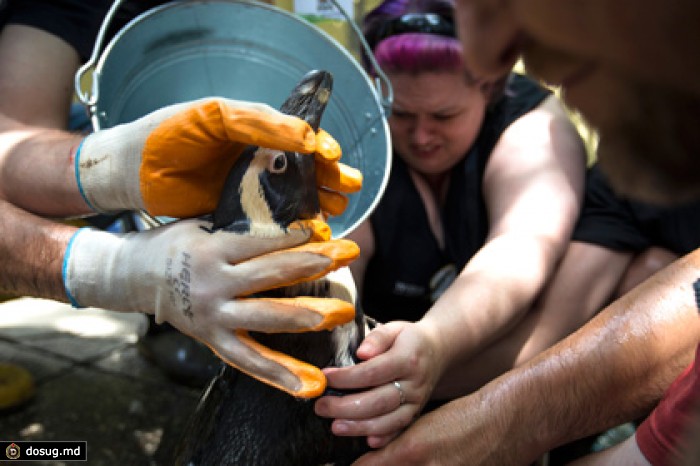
x,y
174,161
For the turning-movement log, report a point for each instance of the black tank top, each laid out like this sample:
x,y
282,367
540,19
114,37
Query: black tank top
x,y
615,222
409,270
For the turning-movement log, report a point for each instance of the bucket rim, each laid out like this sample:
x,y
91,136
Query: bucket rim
x,y
100,54
341,227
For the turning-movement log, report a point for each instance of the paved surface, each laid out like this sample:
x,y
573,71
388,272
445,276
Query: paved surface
x,y
91,384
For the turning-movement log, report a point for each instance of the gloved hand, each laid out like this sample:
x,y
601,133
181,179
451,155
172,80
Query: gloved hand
x,y
174,161
199,282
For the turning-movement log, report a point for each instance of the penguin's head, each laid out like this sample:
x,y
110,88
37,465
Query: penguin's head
x,y
267,190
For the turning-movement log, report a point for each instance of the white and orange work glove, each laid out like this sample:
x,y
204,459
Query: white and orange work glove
x,y
202,282
174,161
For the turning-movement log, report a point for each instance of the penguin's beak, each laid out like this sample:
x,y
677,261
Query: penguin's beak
x,y
309,98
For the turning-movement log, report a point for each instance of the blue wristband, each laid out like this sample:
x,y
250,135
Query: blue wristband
x,y
64,269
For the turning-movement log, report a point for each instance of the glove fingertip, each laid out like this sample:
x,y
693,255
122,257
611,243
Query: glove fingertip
x,y
327,148
339,177
351,178
311,382
332,202
320,231
344,251
334,311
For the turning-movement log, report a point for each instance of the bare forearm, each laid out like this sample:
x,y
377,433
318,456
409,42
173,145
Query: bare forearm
x,y
581,286
31,254
612,370
490,296
36,165
37,172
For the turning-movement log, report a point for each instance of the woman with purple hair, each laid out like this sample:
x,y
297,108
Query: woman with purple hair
x,y
485,189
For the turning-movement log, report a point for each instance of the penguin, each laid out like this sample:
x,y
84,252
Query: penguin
x,y
240,420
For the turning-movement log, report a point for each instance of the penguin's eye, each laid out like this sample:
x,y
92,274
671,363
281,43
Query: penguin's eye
x,y
278,163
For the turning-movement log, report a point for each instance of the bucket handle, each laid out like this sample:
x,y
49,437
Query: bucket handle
x,y
381,78
90,99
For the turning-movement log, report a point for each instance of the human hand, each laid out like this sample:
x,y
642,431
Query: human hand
x,y
396,352
458,433
174,161
489,427
200,282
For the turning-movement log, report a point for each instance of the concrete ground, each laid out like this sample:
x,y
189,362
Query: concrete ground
x,y
91,384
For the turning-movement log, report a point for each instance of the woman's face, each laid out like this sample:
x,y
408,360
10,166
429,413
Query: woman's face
x,y
629,66
435,119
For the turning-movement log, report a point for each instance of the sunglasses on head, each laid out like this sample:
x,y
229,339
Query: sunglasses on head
x,y
426,23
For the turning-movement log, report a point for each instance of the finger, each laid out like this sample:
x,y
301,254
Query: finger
x,y
378,441
223,120
341,251
277,369
320,231
372,373
327,148
338,177
359,406
241,247
292,315
332,202
372,458
262,126
388,425
379,340
288,267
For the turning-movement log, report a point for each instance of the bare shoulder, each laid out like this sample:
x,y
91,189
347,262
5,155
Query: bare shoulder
x,y
543,137
549,116
36,77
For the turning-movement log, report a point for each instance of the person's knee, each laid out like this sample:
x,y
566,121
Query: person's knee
x,y
643,266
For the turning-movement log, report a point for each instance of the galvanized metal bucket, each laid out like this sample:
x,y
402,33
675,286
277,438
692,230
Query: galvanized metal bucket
x,y
242,50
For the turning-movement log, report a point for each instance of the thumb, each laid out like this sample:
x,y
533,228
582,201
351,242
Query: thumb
x,y
379,340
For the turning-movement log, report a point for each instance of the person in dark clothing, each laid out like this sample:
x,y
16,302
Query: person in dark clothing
x,y
486,185
48,172
633,78
401,286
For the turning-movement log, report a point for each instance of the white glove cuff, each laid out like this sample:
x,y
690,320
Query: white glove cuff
x,y
90,272
107,168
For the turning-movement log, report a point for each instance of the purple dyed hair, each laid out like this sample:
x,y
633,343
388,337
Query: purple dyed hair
x,y
412,52
418,52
